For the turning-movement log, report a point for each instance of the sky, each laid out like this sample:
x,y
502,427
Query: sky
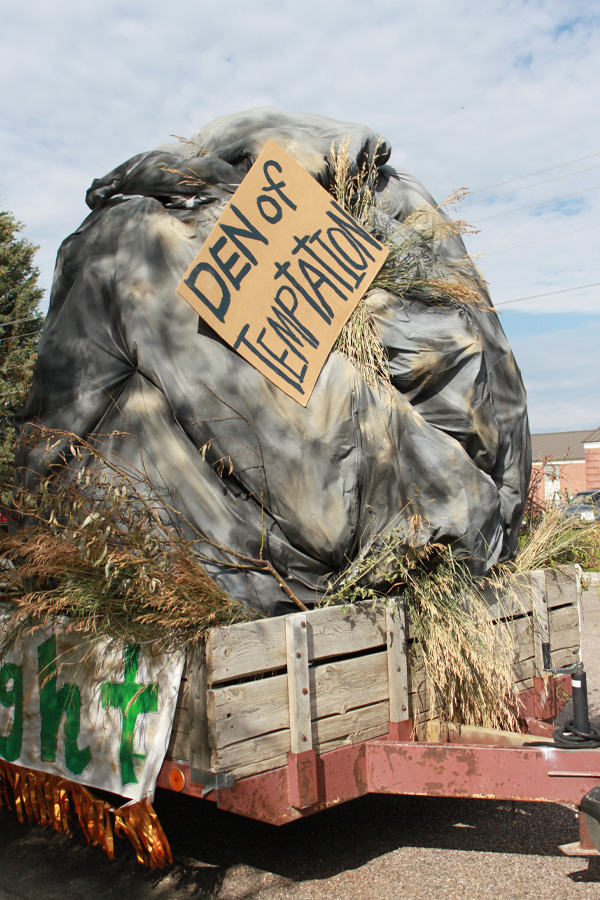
x,y
500,97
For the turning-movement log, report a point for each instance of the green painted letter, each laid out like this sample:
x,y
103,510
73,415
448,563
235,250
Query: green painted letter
x,y
133,700
53,706
11,694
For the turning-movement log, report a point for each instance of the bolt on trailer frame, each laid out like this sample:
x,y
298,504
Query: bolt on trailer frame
x,y
280,718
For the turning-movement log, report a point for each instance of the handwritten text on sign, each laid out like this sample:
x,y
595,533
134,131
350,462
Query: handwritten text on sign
x,y
281,272
98,715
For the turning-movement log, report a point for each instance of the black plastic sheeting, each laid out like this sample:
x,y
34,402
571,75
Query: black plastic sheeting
x,y
124,361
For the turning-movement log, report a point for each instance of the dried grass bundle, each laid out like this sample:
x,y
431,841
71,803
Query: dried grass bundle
x,y
359,340
106,550
110,568
411,269
466,653
556,541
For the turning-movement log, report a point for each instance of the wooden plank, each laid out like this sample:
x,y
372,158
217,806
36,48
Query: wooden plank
x,y
244,753
421,706
276,762
179,746
420,701
423,711
248,648
506,604
354,738
563,586
345,684
297,682
524,685
199,747
524,673
521,632
397,662
541,622
566,656
183,697
353,722
241,711
564,628
478,734
523,669
256,766
181,721
233,651
257,732
561,589
562,657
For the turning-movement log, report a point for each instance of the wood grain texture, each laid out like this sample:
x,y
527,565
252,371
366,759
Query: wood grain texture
x,y
564,628
243,711
540,618
199,744
374,718
250,648
179,746
297,683
563,586
397,662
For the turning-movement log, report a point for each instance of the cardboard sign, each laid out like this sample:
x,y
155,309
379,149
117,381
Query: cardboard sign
x,y
281,272
101,717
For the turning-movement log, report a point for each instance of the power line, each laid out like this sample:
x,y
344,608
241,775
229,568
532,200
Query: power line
x,y
554,237
15,337
508,212
526,187
14,322
549,294
532,174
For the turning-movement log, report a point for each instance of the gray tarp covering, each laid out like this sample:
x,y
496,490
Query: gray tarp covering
x,y
123,354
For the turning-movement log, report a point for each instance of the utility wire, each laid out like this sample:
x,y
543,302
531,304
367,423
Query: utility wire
x,y
15,337
526,187
508,212
549,294
14,322
532,174
553,237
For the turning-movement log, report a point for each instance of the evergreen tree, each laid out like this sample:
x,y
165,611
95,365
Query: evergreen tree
x,y
20,327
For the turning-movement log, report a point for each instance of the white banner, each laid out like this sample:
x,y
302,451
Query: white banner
x,y
99,713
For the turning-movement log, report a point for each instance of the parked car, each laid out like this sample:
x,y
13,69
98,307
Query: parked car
x,y
584,506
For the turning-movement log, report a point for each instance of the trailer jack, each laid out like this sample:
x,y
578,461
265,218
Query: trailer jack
x,y
578,733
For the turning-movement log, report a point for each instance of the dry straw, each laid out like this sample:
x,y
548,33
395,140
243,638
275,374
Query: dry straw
x,y
467,655
411,271
107,550
556,540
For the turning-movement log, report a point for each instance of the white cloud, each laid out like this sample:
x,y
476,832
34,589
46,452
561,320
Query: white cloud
x,y
560,372
468,94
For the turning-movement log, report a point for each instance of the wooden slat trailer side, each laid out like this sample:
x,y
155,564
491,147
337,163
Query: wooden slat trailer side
x,y
280,718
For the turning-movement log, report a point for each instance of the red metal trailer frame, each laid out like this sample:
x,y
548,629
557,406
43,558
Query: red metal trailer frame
x,y
465,763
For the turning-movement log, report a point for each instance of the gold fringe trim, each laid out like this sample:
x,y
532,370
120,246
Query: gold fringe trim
x,y
50,800
140,824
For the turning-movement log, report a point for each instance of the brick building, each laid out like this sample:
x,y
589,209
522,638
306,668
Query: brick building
x,y
570,461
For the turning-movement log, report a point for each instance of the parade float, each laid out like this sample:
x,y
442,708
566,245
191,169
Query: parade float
x,y
270,482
